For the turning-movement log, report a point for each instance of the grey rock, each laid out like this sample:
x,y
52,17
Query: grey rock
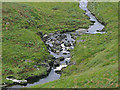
x,y
56,63
72,63
60,58
67,44
45,65
80,41
7,23
28,61
35,66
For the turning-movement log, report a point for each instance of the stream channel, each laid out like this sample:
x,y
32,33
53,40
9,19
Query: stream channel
x,y
59,45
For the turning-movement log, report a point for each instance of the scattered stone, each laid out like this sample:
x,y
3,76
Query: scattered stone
x,y
35,66
60,58
28,61
80,41
45,65
72,63
39,33
45,36
7,23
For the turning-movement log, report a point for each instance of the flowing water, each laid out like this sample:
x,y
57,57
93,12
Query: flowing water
x,y
59,44
97,26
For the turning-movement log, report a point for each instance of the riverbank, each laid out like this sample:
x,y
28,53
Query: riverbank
x,y
96,56
23,50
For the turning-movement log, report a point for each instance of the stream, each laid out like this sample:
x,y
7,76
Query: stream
x,y
59,45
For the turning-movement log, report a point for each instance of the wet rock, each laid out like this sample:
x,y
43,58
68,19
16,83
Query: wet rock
x,y
39,33
68,44
57,43
72,47
63,36
7,23
48,68
57,51
74,35
45,65
53,49
51,34
60,58
72,63
59,48
80,41
45,36
56,63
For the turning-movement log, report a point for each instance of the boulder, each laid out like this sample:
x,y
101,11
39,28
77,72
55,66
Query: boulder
x,y
60,58
56,63
45,65
67,44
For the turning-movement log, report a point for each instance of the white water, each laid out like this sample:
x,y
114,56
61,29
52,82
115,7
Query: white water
x,y
91,30
97,26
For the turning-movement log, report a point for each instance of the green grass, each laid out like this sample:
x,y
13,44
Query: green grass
x,y
97,57
0,46
21,22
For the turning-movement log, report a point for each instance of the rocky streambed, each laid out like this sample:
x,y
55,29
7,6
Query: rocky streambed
x,y
59,45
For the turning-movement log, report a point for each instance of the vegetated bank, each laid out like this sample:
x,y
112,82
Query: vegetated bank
x,y
96,56
23,49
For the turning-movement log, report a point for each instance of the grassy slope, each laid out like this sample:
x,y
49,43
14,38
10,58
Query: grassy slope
x,y
96,58
21,22
0,46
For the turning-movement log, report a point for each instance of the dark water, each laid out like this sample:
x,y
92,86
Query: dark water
x,y
51,77
58,42
64,52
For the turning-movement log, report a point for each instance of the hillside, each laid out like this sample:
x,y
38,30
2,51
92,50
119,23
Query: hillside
x,y
22,47
97,57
